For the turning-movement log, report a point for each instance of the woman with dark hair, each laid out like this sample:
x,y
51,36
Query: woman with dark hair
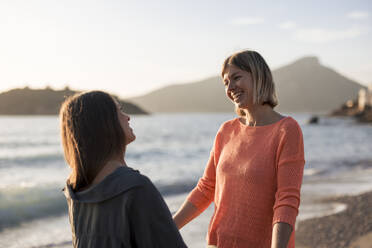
x,y
110,204
255,169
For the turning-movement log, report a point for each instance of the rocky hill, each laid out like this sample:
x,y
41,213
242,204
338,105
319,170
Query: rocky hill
x,y
46,101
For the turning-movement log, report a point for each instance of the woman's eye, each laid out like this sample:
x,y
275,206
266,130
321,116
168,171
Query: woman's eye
x,y
237,78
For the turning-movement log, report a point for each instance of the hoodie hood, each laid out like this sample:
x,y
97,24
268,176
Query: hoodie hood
x,y
119,181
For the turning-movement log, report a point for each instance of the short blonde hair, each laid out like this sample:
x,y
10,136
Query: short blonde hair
x,y
263,84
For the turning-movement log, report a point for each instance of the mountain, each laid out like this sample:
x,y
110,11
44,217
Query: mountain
x,y
46,101
203,96
302,86
308,86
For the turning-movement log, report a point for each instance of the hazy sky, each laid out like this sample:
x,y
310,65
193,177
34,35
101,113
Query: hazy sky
x,y
132,47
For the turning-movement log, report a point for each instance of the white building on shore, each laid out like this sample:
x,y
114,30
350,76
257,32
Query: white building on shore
x,y
365,98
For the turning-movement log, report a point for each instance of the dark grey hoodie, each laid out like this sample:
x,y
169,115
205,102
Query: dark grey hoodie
x,y
124,210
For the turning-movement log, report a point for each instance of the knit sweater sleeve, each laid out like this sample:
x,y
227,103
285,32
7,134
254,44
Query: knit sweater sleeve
x,y
290,166
202,195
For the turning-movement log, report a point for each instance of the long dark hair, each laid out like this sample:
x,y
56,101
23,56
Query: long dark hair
x,y
91,135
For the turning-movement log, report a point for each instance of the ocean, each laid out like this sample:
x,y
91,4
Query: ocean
x,y
172,150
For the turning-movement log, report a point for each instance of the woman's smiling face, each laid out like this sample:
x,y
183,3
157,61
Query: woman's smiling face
x,y
238,86
124,123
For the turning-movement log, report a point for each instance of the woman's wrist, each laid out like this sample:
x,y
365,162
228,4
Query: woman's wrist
x,y
185,214
281,235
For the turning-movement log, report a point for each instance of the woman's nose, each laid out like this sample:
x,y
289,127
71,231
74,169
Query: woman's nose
x,y
231,86
126,116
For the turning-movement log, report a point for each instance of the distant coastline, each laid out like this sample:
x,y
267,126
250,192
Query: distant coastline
x,y
360,108
46,101
362,116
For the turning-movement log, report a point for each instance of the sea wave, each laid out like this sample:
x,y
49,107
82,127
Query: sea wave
x,y
320,168
176,188
18,143
29,202
21,204
26,202
43,159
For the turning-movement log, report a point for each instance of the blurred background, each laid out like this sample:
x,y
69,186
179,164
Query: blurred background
x,y
162,59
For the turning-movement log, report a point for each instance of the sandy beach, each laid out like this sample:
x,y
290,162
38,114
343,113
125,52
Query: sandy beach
x,y
351,228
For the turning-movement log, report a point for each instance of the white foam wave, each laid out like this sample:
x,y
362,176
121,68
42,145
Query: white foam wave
x,y
20,204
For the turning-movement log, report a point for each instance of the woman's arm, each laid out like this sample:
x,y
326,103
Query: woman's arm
x,y
281,234
290,169
185,214
200,197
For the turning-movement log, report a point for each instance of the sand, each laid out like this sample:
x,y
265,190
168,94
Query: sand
x,y
351,228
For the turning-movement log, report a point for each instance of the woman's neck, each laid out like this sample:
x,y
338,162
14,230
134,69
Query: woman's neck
x,y
108,168
260,115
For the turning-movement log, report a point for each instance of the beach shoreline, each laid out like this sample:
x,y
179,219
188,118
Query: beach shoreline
x,y
350,228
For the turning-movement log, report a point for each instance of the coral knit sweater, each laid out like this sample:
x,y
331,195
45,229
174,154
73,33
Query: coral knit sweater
x,y
254,176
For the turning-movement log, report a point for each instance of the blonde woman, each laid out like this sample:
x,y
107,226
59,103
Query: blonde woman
x,y
255,169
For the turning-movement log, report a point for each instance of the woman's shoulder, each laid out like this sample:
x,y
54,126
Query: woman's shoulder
x,y
133,177
137,179
123,179
130,183
290,127
289,122
229,124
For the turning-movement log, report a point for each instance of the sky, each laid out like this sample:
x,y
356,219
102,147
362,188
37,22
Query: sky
x,y
130,48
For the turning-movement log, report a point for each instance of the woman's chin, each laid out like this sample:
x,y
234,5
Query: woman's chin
x,y
133,138
130,139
